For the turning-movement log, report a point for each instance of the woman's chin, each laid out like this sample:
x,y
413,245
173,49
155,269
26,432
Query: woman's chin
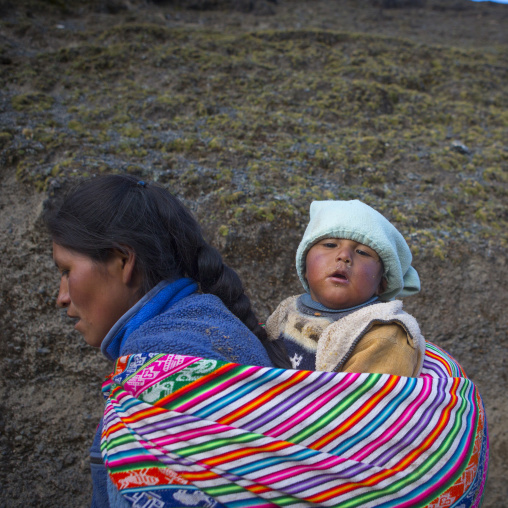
x,y
93,342
91,339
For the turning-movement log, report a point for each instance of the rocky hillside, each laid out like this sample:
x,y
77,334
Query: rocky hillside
x,y
248,111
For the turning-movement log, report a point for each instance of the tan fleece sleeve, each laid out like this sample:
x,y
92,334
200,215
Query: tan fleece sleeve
x,y
384,349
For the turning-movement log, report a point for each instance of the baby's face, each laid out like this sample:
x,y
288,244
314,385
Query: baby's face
x,y
343,273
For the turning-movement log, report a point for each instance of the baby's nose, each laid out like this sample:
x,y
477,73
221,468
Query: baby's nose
x,y
344,255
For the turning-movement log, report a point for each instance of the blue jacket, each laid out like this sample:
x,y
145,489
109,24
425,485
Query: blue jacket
x,y
175,318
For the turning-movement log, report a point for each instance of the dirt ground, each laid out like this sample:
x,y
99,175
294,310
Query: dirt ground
x,y
50,379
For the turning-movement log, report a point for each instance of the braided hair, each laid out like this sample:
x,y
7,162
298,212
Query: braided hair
x,y
119,212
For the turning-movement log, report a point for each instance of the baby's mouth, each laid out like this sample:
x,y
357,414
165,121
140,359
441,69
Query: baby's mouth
x,y
340,275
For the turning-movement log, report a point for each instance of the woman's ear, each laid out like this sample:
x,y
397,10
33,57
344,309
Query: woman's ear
x,y
383,283
127,264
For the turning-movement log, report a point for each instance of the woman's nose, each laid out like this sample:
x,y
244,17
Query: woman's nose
x,y
63,300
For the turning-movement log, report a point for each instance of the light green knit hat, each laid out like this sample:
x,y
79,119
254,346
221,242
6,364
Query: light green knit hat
x,y
354,220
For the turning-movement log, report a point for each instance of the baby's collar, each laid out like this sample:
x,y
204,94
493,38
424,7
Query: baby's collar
x,y
309,302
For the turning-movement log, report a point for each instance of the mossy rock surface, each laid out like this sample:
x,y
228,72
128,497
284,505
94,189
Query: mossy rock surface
x,y
318,112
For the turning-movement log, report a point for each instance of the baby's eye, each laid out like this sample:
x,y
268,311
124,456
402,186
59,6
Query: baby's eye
x,y
362,252
330,245
64,273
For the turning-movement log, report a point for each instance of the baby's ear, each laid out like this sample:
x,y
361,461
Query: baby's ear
x,y
383,283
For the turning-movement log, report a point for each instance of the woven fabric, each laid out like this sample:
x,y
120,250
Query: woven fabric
x,y
183,431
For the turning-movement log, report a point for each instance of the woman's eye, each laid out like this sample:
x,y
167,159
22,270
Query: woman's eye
x,y
64,273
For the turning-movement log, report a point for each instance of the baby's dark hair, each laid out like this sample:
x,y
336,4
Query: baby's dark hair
x,y
119,212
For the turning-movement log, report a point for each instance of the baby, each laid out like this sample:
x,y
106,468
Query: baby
x,y
352,263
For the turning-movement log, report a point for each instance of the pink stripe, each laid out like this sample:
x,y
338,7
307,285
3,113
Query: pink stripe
x,y
221,387
187,435
296,470
116,404
265,505
131,460
119,396
108,409
317,404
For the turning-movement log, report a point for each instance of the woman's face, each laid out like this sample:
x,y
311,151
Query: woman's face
x,y
95,294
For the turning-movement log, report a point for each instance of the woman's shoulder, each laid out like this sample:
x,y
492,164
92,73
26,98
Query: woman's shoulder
x,y
198,325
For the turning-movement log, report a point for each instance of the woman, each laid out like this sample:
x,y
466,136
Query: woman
x,y
138,277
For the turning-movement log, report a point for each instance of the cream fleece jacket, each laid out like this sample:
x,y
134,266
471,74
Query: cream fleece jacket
x,y
379,338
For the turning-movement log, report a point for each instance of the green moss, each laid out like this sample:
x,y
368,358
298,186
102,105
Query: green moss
x,y
474,188
398,216
496,174
139,32
234,197
238,212
181,144
223,230
5,139
439,250
131,131
224,175
32,102
134,169
311,114
77,126
216,144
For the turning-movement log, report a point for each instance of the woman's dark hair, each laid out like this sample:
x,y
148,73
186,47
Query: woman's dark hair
x,y
119,212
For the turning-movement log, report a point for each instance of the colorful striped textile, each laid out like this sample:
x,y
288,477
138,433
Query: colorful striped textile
x,y
184,431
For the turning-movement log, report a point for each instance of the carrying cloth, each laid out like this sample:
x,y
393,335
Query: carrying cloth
x,y
183,431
